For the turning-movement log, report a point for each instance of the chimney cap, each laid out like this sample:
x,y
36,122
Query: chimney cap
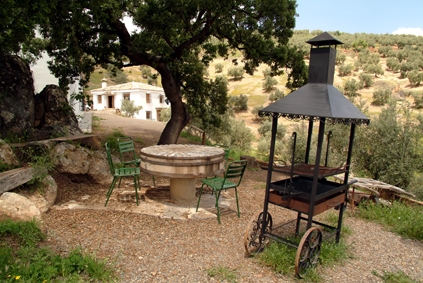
x,y
324,39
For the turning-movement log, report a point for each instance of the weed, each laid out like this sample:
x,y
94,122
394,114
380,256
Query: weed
x,y
395,277
111,139
400,218
281,258
22,259
222,274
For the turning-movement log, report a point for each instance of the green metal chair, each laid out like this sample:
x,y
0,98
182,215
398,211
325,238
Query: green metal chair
x,y
128,157
119,173
231,180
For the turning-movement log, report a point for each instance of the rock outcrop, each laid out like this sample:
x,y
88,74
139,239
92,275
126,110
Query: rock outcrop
x,y
53,114
7,156
77,160
16,97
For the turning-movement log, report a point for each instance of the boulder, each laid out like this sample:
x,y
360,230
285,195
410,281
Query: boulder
x,y
77,160
99,169
6,155
53,115
69,158
16,97
43,197
18,207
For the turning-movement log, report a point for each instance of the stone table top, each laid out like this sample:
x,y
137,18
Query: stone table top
x,y
181,151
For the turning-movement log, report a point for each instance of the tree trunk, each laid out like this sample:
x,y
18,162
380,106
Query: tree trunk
x,y
179,114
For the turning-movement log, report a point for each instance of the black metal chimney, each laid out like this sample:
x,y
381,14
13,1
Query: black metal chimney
x,y
321,68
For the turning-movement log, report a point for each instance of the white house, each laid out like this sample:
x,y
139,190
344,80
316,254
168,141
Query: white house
x,y
151,98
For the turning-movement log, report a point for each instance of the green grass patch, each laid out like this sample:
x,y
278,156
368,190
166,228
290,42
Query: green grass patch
x,y
395,277
256,100
405,220
246,88
222,274
23,260
281,258
112,138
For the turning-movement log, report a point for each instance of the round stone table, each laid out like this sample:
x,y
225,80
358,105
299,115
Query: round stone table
x,y
182,163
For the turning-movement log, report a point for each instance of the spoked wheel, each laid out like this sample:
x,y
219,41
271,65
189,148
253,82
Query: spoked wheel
x,y
254,241
308,251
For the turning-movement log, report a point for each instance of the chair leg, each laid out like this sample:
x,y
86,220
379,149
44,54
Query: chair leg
x,y
199,197
109,192
136,185
217,206
120,180
154,181
237,204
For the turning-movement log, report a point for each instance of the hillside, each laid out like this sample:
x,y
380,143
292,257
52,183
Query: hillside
x,y
252,85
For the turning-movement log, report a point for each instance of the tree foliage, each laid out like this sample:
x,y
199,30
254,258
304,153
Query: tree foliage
x,y
389,148
177,38
129,108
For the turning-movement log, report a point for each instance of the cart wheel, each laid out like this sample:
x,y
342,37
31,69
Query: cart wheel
x,y
254,241
308,251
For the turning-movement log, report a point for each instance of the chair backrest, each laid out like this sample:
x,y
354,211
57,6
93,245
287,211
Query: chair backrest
x,y
126,149
236,170
109,159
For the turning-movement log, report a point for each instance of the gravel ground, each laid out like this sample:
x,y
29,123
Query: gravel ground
x,y
147,248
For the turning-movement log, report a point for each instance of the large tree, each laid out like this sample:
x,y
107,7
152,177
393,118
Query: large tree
x,y
179,39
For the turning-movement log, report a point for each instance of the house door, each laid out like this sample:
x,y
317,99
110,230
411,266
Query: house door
x,y
111,103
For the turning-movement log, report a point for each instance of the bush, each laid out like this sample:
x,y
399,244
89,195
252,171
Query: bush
x,y
393,64
236,72
388,149
218,67
365,80
415,77
129,108
145,71
375,69
340,58
269,83
276,95
381,96
265,129
345,70
238,103
350,88
165,115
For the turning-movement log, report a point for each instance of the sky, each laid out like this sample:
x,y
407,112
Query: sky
x,y
361,16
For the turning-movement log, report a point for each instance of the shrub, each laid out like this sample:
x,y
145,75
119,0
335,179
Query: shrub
x,y
375,69
365,80
165,115
340,58
276,95
129,108
145,71
236,72
269,83
393,64
381,96
238,103
415,77
350,88
345,70
418,100
218,67
265,129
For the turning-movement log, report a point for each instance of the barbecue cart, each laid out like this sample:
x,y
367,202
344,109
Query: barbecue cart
x,y
307,188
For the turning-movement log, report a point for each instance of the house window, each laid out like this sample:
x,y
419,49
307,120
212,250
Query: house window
x,y
126,96
161,98
148,98
148,115
99,99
